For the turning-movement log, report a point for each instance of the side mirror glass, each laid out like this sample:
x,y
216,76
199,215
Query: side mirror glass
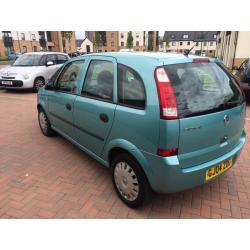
x,y
49,63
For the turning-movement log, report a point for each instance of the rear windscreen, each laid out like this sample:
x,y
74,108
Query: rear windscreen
x,y
202,88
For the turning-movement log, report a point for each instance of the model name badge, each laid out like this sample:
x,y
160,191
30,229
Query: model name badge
x,y
192,128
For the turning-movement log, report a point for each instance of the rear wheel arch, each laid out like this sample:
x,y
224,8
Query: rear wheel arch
x,y
134,152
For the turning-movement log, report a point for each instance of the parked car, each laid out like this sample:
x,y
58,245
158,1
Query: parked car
x,y
161,121
31,70
12,55
242,73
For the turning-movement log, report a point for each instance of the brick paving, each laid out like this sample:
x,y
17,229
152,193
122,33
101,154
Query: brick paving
x,y
50,178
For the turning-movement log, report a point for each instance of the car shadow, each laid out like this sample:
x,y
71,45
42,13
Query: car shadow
x,y
17,91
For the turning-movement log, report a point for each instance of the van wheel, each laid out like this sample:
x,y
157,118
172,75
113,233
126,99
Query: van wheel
x,y
38,83
130,181
45,124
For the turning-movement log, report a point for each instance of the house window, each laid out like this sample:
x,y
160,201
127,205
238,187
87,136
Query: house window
x,y
112,44
215,36
24,49
185,36
205,43
181,43
188,43
122,44
137,43
122,35
173,43
35,48
197,44
210,51
137,35
33,37
22,36
211,43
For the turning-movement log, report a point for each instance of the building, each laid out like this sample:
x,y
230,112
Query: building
x,y
28,41
138,40
84,46
108,40
142,40
233,47
203,42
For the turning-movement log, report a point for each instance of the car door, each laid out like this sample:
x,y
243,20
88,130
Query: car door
x,y
51,69
62,98
94,108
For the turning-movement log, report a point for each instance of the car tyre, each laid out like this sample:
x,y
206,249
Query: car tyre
x,y
44,124
38,83
130,181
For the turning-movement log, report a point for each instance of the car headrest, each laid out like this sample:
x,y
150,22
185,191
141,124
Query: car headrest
x,y
105,77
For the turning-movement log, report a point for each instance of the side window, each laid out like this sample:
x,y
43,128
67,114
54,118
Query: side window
x,y
99,80
131,90
61,59
51,58
69,79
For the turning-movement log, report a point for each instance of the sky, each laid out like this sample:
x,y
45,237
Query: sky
x,y
81,34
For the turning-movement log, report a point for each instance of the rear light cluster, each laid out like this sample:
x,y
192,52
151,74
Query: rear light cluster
x,y
167,101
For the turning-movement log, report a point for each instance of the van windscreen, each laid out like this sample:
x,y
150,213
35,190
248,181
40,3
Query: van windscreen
x,y
203,87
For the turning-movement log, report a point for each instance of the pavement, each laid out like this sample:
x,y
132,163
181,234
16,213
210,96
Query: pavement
x,y
44,177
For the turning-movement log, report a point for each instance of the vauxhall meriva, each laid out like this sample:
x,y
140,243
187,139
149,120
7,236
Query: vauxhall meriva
x,y
161,121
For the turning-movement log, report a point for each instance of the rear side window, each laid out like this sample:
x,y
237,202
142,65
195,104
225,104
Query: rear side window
x,y
99,80
202,88
131,90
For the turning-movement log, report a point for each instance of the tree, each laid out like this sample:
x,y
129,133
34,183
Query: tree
x,y
98,39
150,42
130,40
66,36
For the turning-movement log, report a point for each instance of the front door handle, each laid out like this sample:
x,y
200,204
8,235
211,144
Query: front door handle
x,y
68,106
104,117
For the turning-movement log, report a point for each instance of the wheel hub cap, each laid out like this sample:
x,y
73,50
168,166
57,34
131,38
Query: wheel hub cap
x,y
126,181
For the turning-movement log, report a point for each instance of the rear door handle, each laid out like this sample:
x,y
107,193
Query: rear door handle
x,y
104,117
68,106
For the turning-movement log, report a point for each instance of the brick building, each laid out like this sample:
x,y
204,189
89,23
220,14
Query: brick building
x,y
28,41
203,42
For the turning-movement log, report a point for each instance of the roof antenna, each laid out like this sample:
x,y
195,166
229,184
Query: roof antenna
x,y
187,51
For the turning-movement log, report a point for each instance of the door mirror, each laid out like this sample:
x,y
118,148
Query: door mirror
x,y
49,63
50,85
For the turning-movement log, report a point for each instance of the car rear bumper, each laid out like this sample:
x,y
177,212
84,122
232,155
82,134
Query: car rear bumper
x,y
167,176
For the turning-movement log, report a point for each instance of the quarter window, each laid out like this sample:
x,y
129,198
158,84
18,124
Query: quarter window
x,y
61,59
99,80
69,79
131,90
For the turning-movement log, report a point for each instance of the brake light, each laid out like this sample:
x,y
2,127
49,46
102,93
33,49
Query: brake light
x,y
167,101
167,152
200,60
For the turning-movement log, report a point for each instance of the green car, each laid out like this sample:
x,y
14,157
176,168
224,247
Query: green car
x,y
162,122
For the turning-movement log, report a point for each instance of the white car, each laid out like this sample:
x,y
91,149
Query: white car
x,y
31,70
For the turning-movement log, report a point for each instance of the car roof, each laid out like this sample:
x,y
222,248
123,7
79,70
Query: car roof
x,y
44,53
156,58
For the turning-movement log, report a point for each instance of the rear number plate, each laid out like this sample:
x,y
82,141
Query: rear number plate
x,y
7,82
217,170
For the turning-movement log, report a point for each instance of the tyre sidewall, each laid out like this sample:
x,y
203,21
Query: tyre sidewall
x,y
142,181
